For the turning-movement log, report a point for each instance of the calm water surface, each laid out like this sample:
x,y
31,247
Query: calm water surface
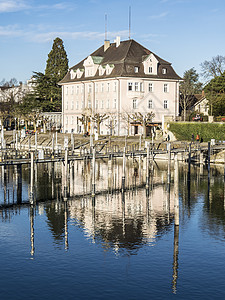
x,y
116,246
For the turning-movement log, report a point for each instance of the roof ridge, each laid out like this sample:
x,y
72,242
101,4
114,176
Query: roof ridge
x,y
130,42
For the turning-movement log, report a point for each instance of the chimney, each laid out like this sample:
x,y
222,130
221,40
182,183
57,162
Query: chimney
x,y
117,41
106,45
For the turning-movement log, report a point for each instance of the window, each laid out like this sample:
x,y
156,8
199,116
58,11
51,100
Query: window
x,y
134,103
89,103
72,104
82,103
72,89
77,104
96,104
115,86
77,90
89,88
150,87
107,104
71,121
141,87
165,88
102,104
165,105
66,107
66,120
115,103
164,70
136,69
150,70
108,87
102,87
136,87
150,104
129,86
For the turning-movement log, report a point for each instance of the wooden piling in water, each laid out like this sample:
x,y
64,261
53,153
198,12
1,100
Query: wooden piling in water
x,y
124,170
32,177
176,193
53,145
147,168
169,162
93,173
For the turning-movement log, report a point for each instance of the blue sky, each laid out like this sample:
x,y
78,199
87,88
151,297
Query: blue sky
x,y
184,32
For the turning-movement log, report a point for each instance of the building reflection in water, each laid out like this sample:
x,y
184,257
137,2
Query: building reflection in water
x,y
119,222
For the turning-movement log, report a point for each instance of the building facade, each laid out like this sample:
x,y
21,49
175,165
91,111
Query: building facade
x,y
118,80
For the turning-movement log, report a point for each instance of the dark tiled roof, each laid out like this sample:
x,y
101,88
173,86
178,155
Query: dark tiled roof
x,y
125,57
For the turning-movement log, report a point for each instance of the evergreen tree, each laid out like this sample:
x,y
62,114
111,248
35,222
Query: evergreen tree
x,y
47,90
57,63
215,93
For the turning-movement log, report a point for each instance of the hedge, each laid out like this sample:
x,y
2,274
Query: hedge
x,y
206,131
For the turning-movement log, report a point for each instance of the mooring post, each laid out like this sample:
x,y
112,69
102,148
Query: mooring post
x,y
72,141
189,163
93,172
209,150
147,168
124,170
53,146
2,137
19,183
169,161
32,177
35,141
66,174
56,140
176,193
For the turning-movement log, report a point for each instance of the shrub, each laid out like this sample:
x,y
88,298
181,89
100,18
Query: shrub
x,y
206,131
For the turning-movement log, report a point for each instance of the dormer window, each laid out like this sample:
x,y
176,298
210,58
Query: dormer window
x,y
164,70
136,69
150,70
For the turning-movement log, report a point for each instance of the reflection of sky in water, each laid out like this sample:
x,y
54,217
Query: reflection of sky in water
x,y
114,247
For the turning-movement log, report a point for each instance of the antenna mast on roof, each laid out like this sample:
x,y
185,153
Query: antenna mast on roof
x,y
105,27
129,20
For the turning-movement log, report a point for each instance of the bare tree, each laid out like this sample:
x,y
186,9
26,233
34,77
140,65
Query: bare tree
x,y
98,119
126,117
214,67
143,119
112,123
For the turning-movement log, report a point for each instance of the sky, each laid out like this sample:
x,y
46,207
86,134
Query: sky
x,y
183,32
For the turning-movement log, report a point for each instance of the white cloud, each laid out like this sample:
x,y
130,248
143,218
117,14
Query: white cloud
x,y
90,35
12,5
39,35
11,31
160,16
20,5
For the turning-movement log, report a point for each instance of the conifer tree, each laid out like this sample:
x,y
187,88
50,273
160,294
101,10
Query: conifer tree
x,y
57,63
47,89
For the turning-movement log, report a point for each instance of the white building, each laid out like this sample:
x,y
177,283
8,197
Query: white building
x,y
117,79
